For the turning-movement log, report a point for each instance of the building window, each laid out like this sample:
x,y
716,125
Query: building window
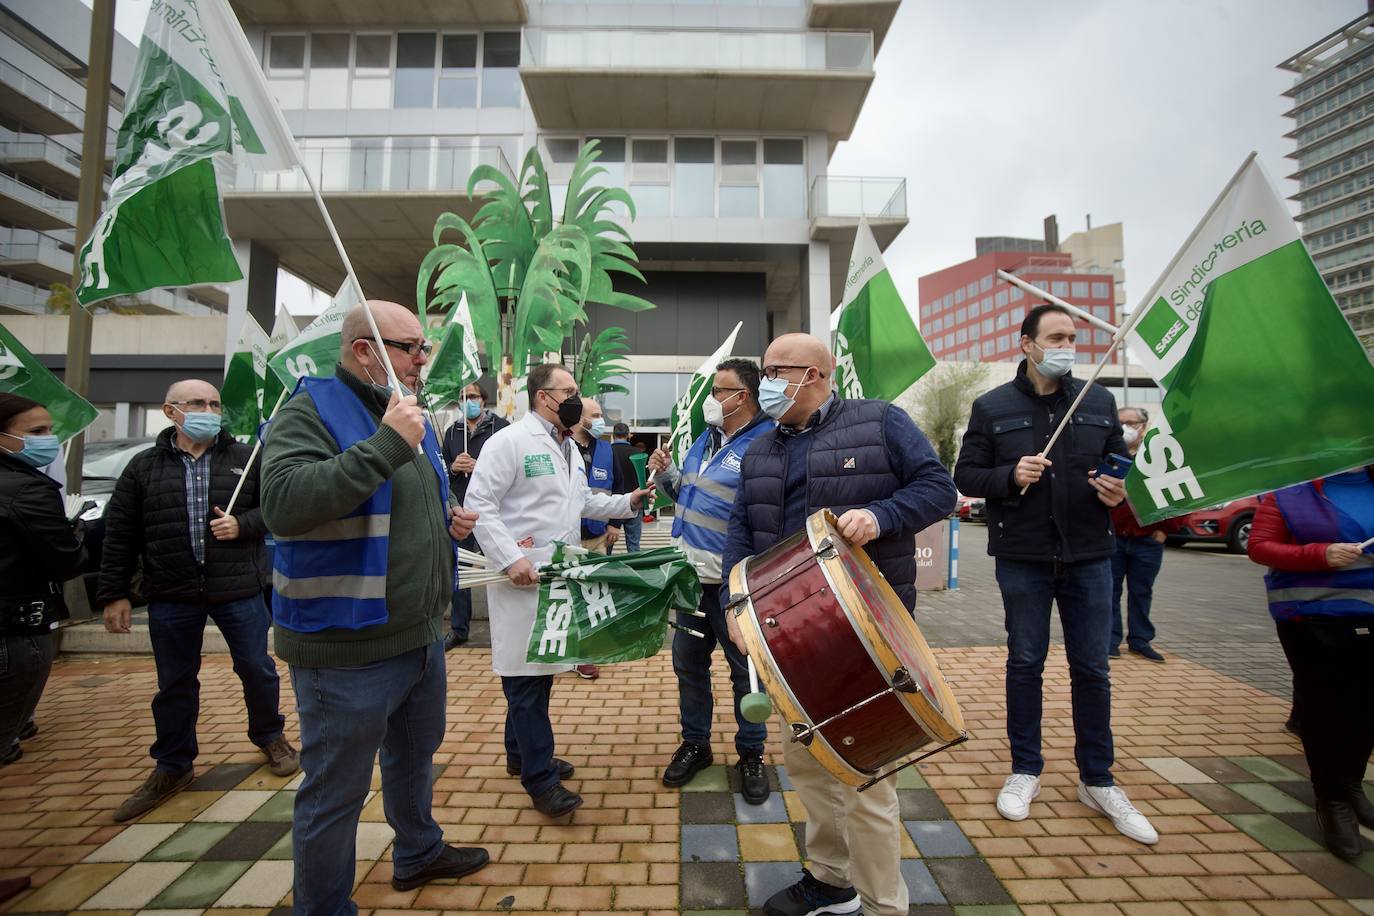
x,y
286,69
500,70
1016,293
961,316
1103,311
1101,338
985,284
694,176
1018,314
328,70
1060,288
1080,289
961,336
938,324
739,178
1001,298
959,294
415,70
649,176
974,308
987,325
949,340
987,347
784,180
972,289
458,72
1002,320
1101,290
948,300
371,71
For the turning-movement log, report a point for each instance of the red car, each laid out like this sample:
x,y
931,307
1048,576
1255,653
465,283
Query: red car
x,y
1228,523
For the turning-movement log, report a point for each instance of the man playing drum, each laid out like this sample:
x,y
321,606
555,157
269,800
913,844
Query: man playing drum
x,y
867,462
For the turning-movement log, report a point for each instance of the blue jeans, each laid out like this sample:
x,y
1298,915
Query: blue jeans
x,y
460,618
1137,561
529,733
692,662
177,632
634,527
1082,591
347,714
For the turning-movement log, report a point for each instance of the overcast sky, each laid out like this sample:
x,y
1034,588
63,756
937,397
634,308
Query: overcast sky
x,y
1001,112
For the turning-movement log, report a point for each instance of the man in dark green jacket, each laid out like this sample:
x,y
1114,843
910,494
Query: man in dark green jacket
x,y
356,494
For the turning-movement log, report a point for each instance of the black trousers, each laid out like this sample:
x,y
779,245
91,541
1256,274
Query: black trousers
x,y
1333,681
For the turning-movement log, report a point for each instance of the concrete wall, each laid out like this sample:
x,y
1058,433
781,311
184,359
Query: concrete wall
x,y
125,335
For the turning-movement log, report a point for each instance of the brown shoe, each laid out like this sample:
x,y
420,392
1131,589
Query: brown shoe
x,y
155,790
282,758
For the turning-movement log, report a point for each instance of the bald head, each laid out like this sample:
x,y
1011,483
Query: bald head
x,y
358,351
191,388
806,363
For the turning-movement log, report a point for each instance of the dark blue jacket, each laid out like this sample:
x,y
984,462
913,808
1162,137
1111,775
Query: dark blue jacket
x,y
860,454
1059,518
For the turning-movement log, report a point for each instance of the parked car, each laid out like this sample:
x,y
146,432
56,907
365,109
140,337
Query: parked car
x,y
1228,523
101,466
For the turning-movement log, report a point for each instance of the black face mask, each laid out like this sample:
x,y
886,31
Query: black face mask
x,y
570,412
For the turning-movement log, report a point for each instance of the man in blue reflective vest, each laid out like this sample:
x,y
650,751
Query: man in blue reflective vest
x,y
704,490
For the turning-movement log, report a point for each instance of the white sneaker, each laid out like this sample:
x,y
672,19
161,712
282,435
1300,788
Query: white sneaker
x,y
1111,801
1020,789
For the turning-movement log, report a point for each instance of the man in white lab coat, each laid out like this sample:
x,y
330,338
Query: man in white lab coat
x,y
529,490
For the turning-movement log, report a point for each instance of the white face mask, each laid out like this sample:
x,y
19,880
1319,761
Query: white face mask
x,y
713,411
1131,434
1055,363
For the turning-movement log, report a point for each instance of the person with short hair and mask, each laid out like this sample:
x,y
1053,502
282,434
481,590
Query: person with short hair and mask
x,y
168,510
1138,558
462,447
1053,544
704,490
529,490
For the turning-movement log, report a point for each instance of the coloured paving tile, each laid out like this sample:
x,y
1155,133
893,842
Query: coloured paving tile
x,y
1231,804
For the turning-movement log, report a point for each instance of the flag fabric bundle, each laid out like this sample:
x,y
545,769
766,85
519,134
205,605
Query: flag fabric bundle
x,y
602,610
21,373
1265,383
879,353
315,350
245,370
193,105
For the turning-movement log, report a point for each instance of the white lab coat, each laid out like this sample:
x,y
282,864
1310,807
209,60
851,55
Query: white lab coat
x,y
515,498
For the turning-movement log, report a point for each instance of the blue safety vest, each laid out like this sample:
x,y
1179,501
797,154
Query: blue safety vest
x,y
1348,592
707,491
335,574
600,476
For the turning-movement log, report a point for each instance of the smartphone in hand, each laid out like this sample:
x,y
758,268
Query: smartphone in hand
x,y
1114,465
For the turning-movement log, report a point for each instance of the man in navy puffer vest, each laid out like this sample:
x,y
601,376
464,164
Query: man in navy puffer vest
x,y
868,463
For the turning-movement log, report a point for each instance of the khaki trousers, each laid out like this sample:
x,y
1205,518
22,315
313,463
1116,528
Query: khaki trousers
x,y
852,837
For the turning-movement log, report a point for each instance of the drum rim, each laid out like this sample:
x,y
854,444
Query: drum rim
x,y
941,727
770,674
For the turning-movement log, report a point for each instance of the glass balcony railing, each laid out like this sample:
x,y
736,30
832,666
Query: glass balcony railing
x,y
34,90
691,49
64,210
34,146
379,168
24,297
29,246
850,198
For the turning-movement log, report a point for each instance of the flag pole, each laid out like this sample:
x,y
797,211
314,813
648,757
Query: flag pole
x,y
253,456
236,35
1367,544
1087,316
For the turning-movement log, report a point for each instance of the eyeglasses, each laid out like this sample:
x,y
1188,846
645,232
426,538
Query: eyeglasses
x,y
717,392
199,404
771,372
475,397
409,349
570,391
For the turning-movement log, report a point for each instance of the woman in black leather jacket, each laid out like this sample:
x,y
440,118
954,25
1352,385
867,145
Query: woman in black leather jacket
x,y
39,549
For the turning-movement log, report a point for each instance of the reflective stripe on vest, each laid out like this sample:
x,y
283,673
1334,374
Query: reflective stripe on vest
x,y
334,576
600,476
1311,518
707,492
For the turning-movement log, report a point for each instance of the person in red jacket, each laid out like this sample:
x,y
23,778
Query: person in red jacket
x,y
1321,596
1138,558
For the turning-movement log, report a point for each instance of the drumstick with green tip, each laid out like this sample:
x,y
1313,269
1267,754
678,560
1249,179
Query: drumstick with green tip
x,y
755,705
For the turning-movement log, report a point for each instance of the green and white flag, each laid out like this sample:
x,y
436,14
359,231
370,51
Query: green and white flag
x,y
245,370
195,102
1265,383
21,373
687,421
462,316
315,351
284,331
455,364
879,353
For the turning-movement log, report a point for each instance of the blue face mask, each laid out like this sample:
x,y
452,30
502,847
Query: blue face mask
x,y
773,397
472,409
38,451
201,427
598,428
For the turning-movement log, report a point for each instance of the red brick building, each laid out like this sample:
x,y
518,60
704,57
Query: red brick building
x,y
967,313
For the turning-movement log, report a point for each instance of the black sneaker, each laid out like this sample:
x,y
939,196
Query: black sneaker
x,y
753,778
1147,651
452,640
28,731
557,802
1114,652
451,862
155,790
1340,829
688,760
809,897
12,754
565,769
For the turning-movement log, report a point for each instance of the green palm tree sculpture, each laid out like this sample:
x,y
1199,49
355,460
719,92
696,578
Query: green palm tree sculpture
x,y
528,276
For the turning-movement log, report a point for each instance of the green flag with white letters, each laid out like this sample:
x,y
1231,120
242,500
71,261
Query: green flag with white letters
x,y
1265,384
315,350
245,370
21,373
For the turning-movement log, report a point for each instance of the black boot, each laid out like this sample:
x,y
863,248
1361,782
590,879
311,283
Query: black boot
x,y
1364,810
1340,828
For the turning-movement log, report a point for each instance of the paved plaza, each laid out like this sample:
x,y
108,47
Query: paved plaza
x,y
1200,748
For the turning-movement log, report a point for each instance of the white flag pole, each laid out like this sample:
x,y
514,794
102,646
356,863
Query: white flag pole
x,y
1120,336
253,456
1367,544
1087,316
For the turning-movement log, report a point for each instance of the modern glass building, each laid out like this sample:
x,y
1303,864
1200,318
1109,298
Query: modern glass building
x,y
1333,133
719,117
